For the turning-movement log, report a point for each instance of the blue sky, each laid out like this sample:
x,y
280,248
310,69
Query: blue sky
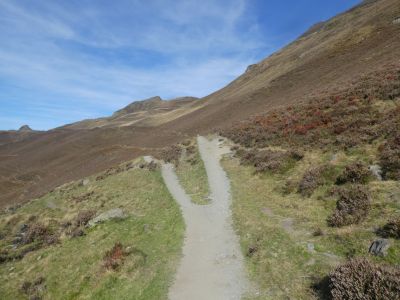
x,y
63,61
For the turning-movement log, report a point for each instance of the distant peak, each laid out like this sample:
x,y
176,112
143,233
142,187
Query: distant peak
x,y
150,104
139,105
25,128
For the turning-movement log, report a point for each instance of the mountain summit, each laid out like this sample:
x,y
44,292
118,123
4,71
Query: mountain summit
x,y
25,128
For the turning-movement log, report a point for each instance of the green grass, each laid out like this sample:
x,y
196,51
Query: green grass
x,y
281,225
193,177
73,269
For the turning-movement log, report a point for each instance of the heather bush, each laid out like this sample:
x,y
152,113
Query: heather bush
x,y
40,233
268,160
83,197
172,154
361,279
355,173
352,207
83,217
391,229
313,178
389,156
151,166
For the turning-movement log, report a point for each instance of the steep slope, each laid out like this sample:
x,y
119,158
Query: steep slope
x,y
358,41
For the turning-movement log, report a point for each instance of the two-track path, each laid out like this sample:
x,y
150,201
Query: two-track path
x,y
212,266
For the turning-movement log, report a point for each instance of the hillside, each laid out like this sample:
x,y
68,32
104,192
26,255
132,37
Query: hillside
x,y
329,54
10,136
285,184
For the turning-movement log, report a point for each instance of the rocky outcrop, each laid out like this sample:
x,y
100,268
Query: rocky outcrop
x,y
115,213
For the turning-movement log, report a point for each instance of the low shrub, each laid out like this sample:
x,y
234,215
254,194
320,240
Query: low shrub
x,y
172,154
39,233
361,279
83,217
390,230
113,171
83,197
356,172
389,156
76,232
151,166
115,257
268,160
313,178
76,227
34,289
352,207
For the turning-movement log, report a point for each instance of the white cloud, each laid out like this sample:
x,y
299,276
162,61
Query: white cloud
x,y
101,55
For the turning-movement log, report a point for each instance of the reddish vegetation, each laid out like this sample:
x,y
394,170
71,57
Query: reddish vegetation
x,y
342,119
114,258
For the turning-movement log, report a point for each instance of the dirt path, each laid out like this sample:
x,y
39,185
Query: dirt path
x,y
212,265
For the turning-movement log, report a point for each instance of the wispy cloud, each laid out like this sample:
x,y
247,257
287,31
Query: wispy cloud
x,y
61,61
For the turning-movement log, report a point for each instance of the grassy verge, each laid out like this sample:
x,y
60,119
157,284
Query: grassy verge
x,y
285,237
192,175
74,268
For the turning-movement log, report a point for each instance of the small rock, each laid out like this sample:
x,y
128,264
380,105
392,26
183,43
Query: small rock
x,y
334,158
379,247
376,170
115,213
84,182
287,225
396,21
311,262
148,159
310,247
266,211
50,204
23,227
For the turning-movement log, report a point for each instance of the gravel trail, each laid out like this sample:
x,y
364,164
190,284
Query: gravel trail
x,y
212,266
